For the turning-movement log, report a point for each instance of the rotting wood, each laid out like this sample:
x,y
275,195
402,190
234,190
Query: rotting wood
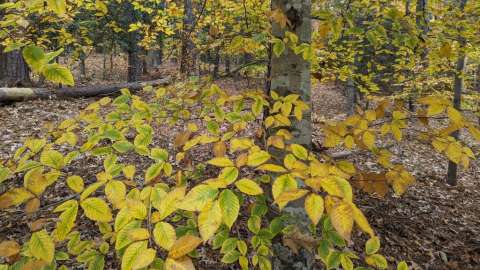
x,y
19,94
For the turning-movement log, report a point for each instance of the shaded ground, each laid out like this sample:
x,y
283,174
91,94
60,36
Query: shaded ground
x,y
432,226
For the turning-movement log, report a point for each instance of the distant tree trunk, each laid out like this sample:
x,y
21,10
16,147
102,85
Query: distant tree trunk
x,y
187,61
134,66
351,93
459,85
227,64
14,70
422,20
83,68
290,74
216,62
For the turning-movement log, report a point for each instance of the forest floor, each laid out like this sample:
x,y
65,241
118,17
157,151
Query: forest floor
x,y
432,226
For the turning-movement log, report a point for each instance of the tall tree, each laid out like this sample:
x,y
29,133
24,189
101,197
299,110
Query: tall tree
x,y
187,61
290,74
458,88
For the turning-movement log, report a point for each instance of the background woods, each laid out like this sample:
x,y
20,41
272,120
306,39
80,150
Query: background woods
x,y
239,134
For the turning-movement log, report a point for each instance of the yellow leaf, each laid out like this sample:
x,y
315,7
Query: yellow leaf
x,y
299,151
57,6
184,263
96,209
219,149
221,162
314,207
137,256
116,191
290,195
362,221
271,168
75,183
228,175
198,197
9,248
455,116
52,159
435,109
169,203
41,246
238,144
164,235
368,139
349,142
454,152
342,219
14,196
136,209
209,220
248,187
129,171
283,183
257,158
184,245
138,234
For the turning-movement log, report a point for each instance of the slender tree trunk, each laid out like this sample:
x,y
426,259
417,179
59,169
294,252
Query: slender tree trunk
x,y
216,62
459,85
83,68
351,93
187,61
290,74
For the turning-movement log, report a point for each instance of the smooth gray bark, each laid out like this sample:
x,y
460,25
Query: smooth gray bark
x,y
290,74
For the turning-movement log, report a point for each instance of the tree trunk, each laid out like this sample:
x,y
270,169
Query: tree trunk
x,y
351,93
14,70
216,63
290,74
187,61
422,20
459,85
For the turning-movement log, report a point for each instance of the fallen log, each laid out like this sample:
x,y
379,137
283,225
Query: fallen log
x,y
19,94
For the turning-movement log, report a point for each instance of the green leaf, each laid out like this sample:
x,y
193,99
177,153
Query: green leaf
x,y
52,158
59,74
5,173
231,257
230,207
96,209
41,246
372,245
35,57
123,146
153,171
278,47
